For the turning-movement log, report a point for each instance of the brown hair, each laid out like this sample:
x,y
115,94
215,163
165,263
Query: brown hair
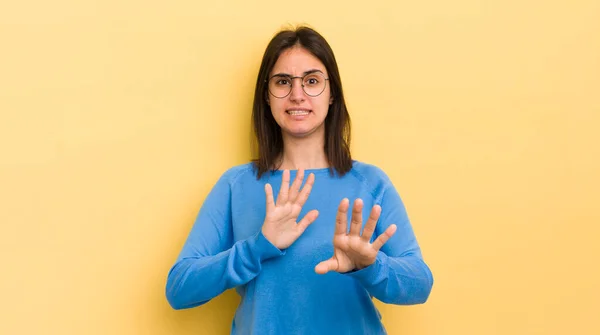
x,y
337,123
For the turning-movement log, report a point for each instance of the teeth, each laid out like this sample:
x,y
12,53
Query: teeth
x,y
298,112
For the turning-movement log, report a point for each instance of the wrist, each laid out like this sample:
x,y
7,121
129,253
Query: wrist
x,y
264,248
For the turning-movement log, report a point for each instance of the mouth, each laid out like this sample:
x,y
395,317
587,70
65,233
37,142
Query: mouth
x,y
298,112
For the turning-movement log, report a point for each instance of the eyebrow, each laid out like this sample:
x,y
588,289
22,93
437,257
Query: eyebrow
x,y
281,74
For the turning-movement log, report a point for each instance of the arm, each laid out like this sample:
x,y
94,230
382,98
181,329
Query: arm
x,y
399,275
210,262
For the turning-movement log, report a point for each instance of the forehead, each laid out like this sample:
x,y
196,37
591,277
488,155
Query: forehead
x,y
297,60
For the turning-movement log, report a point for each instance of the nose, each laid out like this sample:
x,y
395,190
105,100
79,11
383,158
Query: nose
x,y
297,94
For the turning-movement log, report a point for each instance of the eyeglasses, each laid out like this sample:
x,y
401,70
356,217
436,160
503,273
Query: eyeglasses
x,y
313,84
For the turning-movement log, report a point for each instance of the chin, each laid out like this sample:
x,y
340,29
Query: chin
x,y
301,133
297,134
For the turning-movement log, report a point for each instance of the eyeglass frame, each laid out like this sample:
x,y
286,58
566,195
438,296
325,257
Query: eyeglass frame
x,y
291,78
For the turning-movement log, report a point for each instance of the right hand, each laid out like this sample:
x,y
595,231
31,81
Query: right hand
x,y
281,227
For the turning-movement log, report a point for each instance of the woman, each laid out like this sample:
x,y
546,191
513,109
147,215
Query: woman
x,y
302,259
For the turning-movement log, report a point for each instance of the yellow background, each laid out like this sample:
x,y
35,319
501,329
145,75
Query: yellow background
x,y
118,116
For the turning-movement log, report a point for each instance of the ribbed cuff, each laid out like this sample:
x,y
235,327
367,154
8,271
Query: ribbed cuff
x,y
372,274
262,248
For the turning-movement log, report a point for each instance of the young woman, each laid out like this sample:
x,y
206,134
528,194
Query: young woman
x,y
306,257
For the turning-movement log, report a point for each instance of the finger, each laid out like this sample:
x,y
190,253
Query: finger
x,y
371,223
296,185
356,222
269,194
309,218
303,196
285,186
341,220
380,241
326,266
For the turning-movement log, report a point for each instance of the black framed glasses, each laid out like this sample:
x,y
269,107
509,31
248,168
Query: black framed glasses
x,y
313,84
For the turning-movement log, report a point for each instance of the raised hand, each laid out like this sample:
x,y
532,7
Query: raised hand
x,y
281,227
353,251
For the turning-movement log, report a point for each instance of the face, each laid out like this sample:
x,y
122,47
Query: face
x,y
299,114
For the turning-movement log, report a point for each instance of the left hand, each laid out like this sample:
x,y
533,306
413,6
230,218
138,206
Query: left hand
x,y
353,251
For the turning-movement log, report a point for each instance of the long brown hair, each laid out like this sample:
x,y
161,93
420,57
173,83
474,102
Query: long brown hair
x,y
337,123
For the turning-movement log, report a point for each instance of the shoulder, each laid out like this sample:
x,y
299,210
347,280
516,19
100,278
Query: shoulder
x,y
230,178
233,174
371,176
368,172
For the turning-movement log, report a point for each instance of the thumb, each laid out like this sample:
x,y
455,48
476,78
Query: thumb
x,y
309,218
326,266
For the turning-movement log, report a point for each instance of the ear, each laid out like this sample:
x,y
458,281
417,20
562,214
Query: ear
x,y
331,100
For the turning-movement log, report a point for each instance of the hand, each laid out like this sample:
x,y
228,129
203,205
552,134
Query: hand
x,y
281,227
351,251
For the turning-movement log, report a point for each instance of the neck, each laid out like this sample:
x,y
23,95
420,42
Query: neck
x,y
303,153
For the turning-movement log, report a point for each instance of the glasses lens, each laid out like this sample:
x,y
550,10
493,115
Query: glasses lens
x,y
314,84
280,86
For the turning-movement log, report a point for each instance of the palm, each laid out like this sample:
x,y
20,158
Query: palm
x,y
353,250
287,229
349,251
281,226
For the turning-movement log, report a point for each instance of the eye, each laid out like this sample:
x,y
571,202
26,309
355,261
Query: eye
x,y
282,81
312,81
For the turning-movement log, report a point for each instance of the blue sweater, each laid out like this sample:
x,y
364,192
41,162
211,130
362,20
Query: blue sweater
x,y
279,289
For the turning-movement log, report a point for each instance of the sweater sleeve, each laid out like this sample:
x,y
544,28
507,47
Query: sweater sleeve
x,y
210,262
399,275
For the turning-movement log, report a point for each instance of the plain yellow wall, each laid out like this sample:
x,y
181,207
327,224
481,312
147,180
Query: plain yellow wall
x,y
118,116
